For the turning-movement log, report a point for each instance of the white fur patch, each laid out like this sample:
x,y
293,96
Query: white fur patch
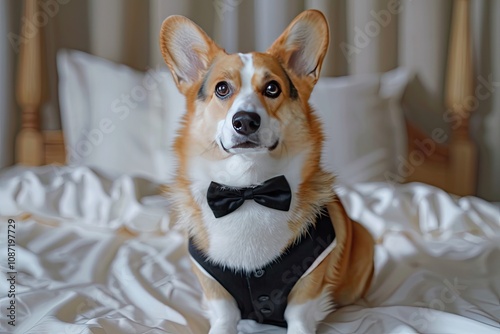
x,y
304,318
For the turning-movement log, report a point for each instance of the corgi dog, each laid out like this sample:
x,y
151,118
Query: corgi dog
x,y
268,238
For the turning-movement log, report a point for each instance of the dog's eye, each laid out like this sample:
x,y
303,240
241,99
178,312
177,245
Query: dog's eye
x,y
272,90
222,89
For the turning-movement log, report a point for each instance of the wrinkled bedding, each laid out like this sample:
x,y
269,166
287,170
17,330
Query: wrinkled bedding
x,y
96,253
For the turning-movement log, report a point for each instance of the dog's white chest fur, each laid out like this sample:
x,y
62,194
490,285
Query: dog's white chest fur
x,y
253,235
249,237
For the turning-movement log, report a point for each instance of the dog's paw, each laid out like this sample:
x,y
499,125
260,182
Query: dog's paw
x,y
224,316
300,328
223,328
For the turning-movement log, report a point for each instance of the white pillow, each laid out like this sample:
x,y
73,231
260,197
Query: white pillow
x,y
117,118
362,117
363,123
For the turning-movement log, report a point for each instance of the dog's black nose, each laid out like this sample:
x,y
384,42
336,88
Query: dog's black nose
x,y
246,123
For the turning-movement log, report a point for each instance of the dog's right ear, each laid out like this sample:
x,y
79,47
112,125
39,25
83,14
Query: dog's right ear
x,y
186,49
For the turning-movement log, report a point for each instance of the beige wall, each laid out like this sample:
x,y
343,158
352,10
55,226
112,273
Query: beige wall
x,y
487,129
8,112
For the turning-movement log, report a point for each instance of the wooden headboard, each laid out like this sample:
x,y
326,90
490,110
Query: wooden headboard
x,y
450,166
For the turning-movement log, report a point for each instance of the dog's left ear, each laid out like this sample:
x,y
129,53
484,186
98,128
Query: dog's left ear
x,y
303,45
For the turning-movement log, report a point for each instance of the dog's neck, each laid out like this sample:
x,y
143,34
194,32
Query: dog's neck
x,y
253,235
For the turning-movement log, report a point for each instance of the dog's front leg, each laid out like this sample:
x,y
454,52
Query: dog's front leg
x,y
300,318
224,313
308,303
224,316
304,318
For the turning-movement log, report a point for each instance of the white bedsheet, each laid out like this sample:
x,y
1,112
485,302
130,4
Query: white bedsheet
x,y
80,271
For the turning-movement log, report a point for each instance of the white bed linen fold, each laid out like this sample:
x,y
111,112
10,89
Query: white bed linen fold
x,y
84,195
437,259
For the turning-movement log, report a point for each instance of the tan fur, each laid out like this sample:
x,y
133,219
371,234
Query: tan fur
x,y
346,272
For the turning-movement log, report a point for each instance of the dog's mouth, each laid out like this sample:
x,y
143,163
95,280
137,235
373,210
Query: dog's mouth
x,y
248,146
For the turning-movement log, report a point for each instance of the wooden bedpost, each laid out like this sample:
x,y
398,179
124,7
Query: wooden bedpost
x,y
452,167
29,141
460,101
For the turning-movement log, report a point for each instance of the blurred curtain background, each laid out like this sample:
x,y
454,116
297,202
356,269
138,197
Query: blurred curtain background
x,y
7,108
367,36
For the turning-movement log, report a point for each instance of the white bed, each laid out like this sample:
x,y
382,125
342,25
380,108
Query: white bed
x,y
96,254
96,251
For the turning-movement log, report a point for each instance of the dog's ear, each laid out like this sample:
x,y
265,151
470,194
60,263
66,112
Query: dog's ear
x,y
186,49
303,45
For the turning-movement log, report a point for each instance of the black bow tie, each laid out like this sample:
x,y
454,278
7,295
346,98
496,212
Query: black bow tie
x,y
274,193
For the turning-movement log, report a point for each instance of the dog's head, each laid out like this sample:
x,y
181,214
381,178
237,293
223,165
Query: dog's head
x,y
251,105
